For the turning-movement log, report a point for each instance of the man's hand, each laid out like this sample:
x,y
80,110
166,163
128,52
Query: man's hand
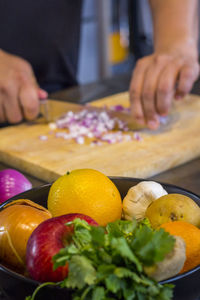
x,y
156,80
173,68
19,92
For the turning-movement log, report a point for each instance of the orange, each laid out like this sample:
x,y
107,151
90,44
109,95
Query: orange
x,y
86,191
191,236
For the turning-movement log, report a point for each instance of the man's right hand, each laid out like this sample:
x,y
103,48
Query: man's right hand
x,y
19,91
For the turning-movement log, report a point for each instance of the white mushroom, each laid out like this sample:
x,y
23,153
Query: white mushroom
x,y
139,197
172,263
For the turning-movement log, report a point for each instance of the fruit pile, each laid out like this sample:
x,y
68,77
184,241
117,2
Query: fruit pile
x,y
91,240
178,214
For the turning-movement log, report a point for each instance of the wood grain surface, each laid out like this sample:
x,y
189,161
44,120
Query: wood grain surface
x,y
174,143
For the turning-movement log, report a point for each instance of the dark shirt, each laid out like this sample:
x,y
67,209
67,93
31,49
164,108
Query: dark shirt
x,y
46,33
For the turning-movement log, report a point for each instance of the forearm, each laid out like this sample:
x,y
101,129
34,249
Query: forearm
x,y
175,22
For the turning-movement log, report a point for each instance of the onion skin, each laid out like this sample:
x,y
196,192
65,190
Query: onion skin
x,y
12,183
18,219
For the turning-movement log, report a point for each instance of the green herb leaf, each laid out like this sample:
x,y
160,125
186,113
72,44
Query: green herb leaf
x,y
166,292
105,270
120,246
81,272
113,283
151,246
121,228
98,293
143,222
98,236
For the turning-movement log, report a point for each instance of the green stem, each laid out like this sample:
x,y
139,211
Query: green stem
x,y
87,290
40,287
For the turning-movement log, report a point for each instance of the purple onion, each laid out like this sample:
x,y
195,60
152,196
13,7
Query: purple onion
x,y
118,107
99,126
12,183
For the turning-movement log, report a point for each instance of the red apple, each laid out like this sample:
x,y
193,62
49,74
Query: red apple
x,y
46,241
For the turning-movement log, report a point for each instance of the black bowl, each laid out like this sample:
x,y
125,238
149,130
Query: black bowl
x,y
17,287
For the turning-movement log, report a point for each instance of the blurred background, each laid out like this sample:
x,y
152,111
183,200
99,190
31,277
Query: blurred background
x,y
114,34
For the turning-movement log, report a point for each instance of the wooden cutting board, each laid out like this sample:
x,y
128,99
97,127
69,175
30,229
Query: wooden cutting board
x,y
176,142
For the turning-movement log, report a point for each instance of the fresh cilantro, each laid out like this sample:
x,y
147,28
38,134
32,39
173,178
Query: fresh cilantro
x,y
83,272
107,263
151,246
98,293
145,221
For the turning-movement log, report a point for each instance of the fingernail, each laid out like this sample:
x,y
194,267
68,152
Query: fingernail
x,y
163,114
153,124
42,94
178,96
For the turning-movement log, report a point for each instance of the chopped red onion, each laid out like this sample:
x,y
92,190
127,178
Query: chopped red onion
x,y
80,140
43,137
120,108
52,126
137,136
96,143
93,124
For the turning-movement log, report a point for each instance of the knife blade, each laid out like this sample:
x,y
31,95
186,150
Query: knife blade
x,y
44,110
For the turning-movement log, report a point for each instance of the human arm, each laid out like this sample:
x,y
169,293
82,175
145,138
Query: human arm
x,y
19,92
173,67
